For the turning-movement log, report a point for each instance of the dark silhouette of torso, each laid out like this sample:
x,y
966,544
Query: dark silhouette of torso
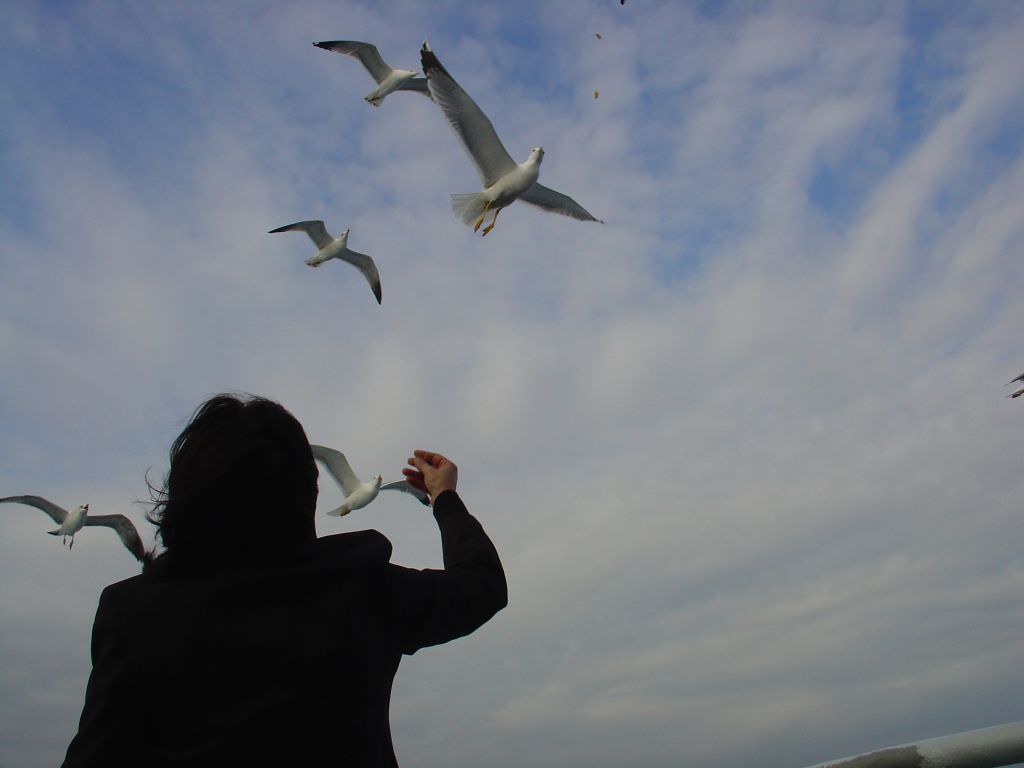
x,y
285,662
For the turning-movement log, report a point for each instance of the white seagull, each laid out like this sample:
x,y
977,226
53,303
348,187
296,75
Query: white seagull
x,y
357,493
503,180
388,79
335,248
1020,391
72,522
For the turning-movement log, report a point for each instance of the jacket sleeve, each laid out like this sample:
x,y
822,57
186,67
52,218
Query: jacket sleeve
x,y
109,726
435,606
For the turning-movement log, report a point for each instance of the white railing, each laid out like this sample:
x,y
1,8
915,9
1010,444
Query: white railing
x,y
983,748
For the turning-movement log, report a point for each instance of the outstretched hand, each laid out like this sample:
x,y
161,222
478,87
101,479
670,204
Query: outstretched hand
x,y
432,473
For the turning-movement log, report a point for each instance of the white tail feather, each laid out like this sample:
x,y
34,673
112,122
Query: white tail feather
x,y
469,208
341,511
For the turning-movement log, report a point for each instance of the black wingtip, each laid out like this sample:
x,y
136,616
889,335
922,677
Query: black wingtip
x,y
429,60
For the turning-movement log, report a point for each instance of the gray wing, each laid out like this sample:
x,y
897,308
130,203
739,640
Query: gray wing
x,y
556,202
470,123
418,84
365,52
405,487
337,465
39,502
1019,378
125,529
315,230
364,264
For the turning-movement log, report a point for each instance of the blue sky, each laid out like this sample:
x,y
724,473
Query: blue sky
x,y
745,448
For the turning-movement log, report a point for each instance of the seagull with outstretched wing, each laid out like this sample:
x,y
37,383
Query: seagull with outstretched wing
x,y
388,79
357,493
335,248
504,181
72,522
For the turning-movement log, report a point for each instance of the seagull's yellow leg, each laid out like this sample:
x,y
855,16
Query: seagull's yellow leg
x,y
490,226
481,219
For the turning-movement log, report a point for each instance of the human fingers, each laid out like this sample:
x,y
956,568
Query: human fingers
x,y
415,479
422,465
439,474
433,458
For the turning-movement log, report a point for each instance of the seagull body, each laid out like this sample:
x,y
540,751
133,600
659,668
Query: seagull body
x,y
504,181
335,248
72,522
388,79
357,493
472,207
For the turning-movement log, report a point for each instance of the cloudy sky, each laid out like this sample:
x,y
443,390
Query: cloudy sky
x,y
745,449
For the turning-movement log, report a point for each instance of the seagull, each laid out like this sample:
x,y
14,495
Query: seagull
x,y
503,180
1020,391
331,248
388,79
72,522
357,493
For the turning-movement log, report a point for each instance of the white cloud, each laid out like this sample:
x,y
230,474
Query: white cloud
x,y
746,456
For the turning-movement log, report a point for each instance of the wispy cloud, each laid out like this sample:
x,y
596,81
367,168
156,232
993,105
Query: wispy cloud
x,y
744,449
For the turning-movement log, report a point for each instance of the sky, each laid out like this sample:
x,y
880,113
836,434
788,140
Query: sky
x,y
745,449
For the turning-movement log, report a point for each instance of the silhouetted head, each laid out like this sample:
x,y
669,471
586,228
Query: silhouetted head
x,y
242,485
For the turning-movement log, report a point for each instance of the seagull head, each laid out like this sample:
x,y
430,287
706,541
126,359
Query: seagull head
x,y
83,508
376,480
538,153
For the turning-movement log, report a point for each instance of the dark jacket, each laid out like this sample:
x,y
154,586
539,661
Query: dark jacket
x,y
286,664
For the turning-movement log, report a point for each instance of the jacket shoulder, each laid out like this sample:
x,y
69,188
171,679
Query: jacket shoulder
x,y
359,548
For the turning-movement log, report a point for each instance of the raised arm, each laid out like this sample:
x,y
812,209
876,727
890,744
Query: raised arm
x,y
435,606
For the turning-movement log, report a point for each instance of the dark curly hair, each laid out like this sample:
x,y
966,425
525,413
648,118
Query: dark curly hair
x,y
242,486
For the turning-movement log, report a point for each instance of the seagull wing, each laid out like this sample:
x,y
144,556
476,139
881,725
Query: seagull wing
x,y
1019,378
58,514
470,123
125,529
364,264
415,84
337,465
406,487
315,230
365,52
556,202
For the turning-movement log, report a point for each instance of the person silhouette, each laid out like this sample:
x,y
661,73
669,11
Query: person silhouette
x,y
250,641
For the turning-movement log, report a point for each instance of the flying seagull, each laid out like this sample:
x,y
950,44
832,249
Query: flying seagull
x,y
388,79
503,180
72,522
357,493
1020,391
331,248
